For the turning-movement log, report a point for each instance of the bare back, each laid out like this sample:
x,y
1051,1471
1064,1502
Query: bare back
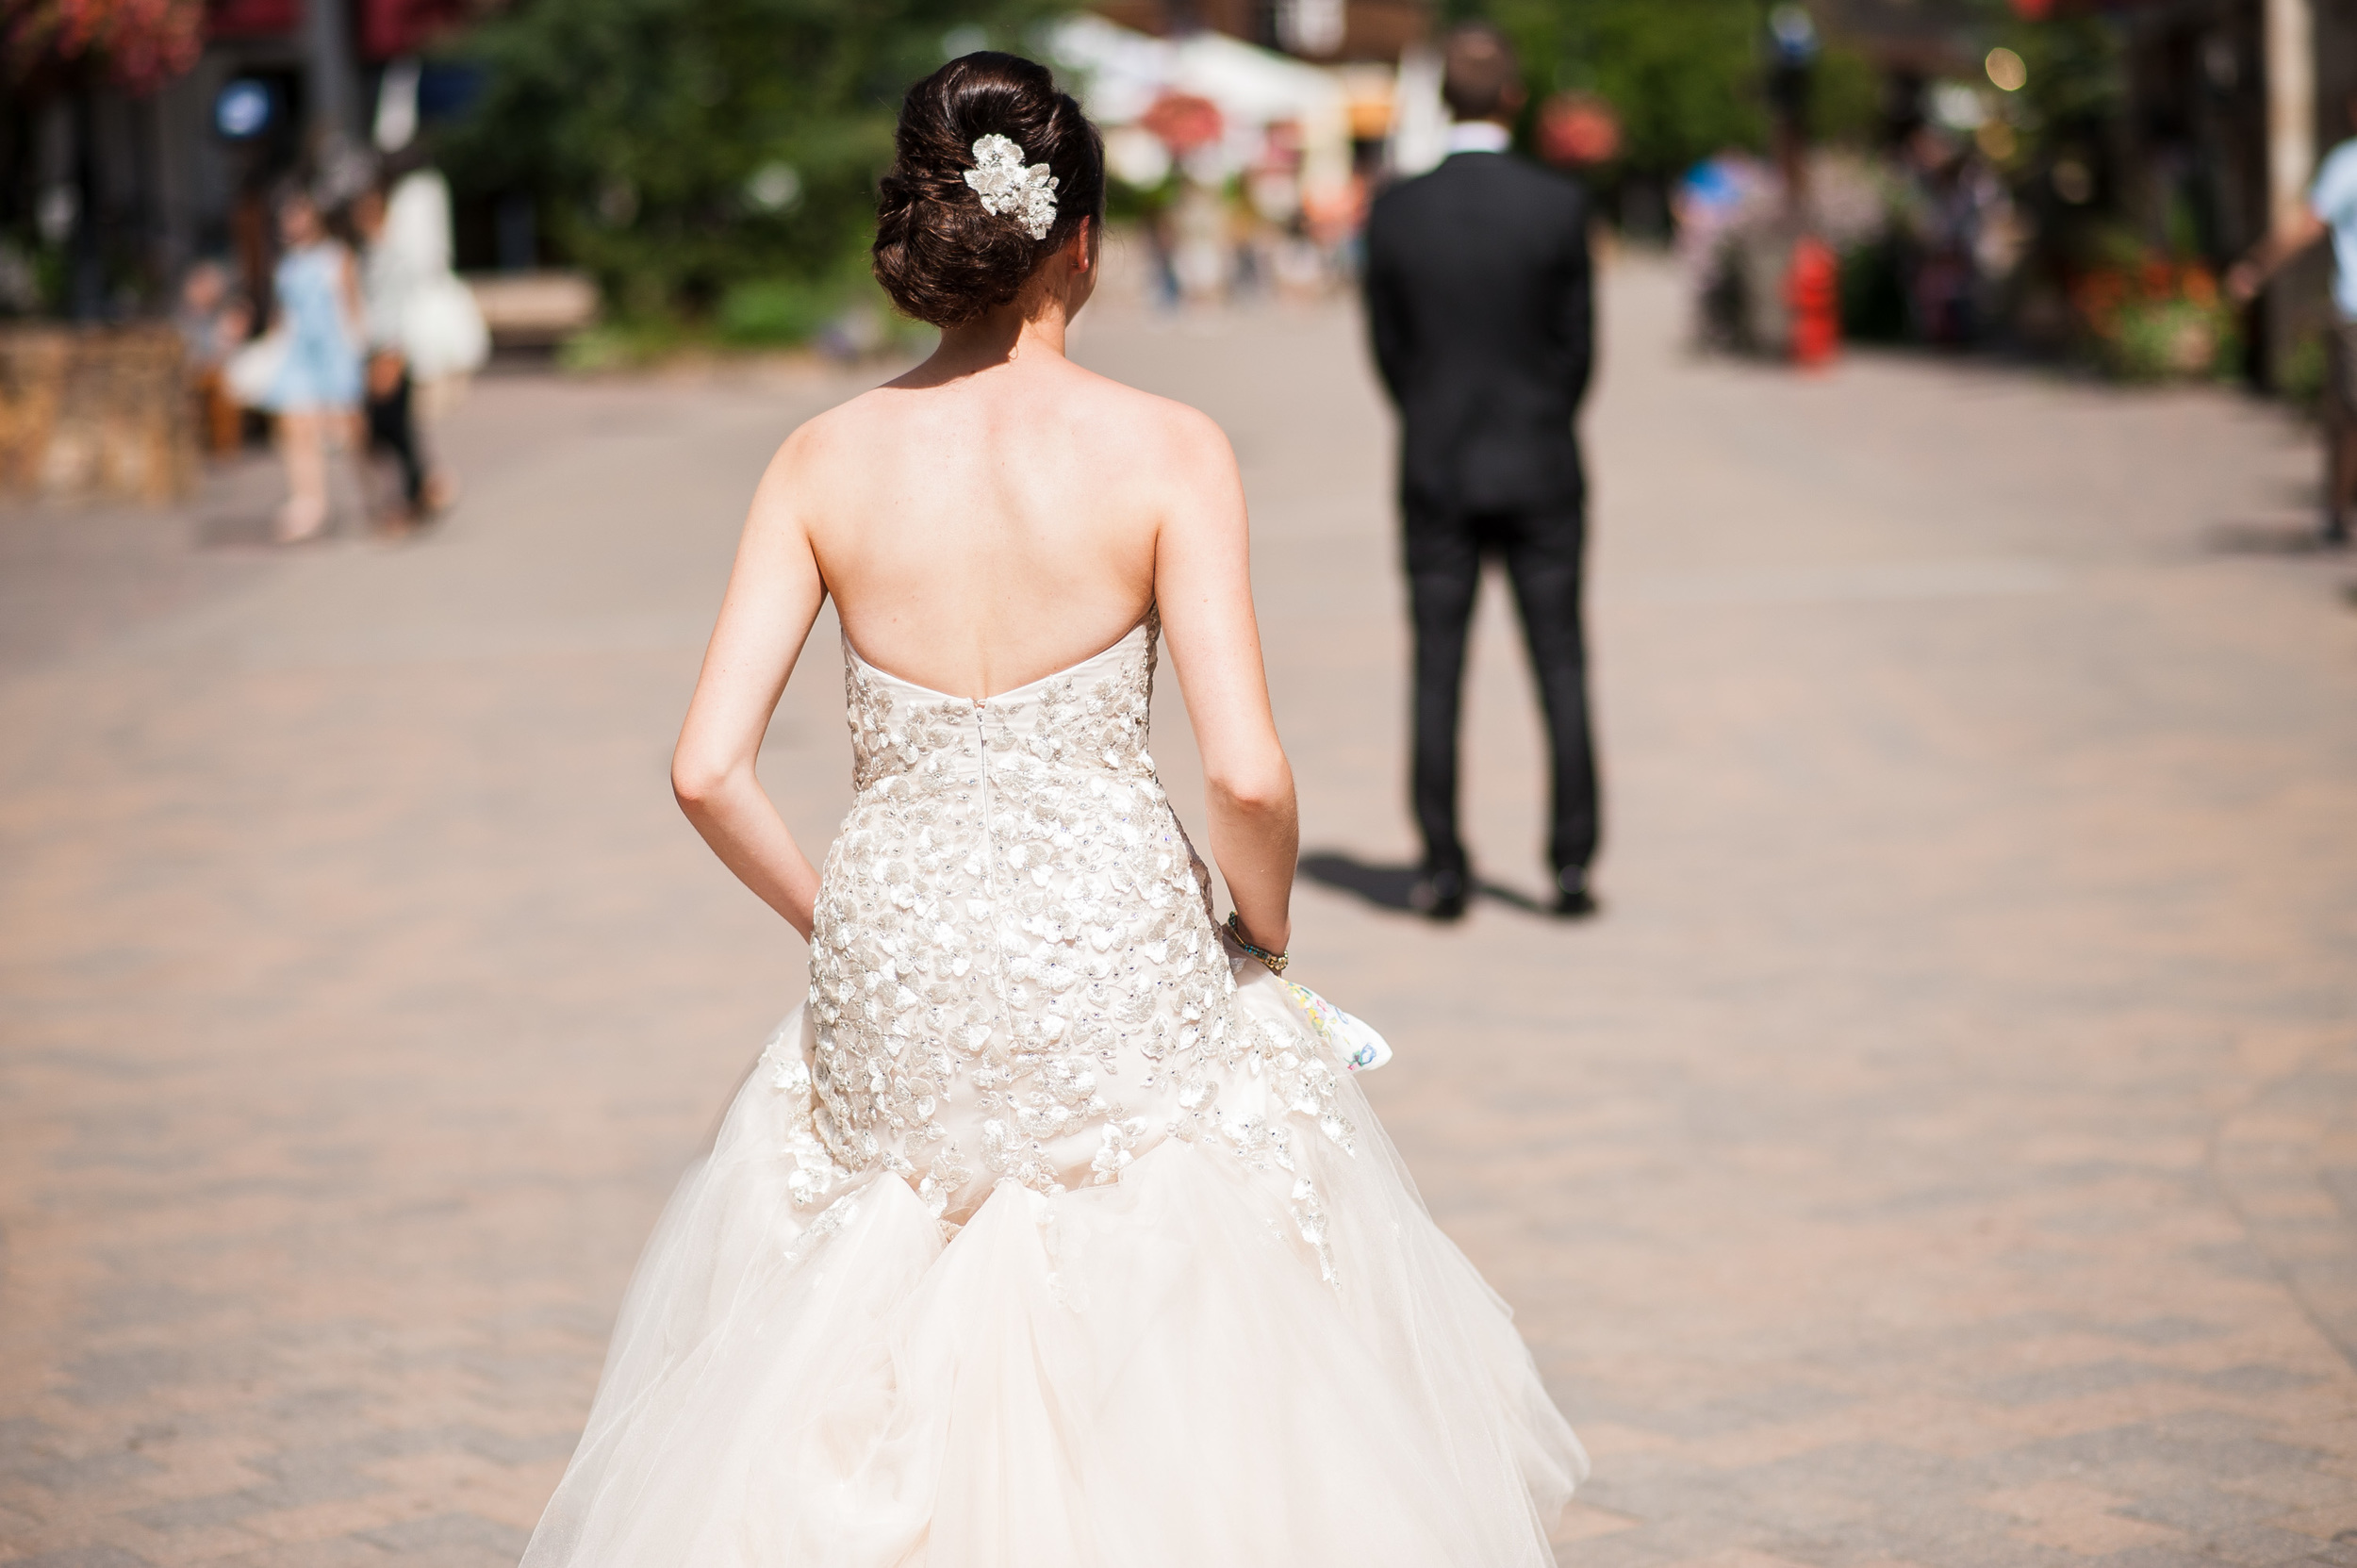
x,y
997,515
980,533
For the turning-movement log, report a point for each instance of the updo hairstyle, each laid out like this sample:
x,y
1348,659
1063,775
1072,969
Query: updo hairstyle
x,y
938,253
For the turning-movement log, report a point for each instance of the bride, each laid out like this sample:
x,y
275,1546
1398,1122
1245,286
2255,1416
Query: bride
x,y
1050,1232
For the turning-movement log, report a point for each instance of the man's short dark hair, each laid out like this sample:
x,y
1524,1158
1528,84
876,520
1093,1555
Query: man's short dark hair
x,y
1479,72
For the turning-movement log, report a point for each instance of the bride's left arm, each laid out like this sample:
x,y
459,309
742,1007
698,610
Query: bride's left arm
x,y
1203,584
773,598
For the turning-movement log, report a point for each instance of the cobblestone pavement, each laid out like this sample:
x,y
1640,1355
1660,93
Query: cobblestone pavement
x,y
1940,1153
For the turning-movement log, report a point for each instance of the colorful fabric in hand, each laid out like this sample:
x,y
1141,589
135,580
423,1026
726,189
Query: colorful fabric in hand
x,y
1353,1039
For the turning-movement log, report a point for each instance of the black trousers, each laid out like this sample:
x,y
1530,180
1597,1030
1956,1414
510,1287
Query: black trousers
x,y
393,428
1543,553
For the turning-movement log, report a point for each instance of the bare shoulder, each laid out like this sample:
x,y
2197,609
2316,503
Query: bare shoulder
x,y
1156,433
838,432
820,449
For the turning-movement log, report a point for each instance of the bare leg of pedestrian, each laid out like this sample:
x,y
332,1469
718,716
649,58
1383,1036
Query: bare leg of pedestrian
x,y
2341,478
2340,432
303,447
430,402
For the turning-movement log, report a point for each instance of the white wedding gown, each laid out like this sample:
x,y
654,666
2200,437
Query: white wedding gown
x,y
1048,1233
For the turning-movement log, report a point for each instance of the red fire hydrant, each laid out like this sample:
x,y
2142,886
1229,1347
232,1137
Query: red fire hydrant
x,y
1812,291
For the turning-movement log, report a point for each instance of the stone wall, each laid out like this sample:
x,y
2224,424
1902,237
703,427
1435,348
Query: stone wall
x,y
94,413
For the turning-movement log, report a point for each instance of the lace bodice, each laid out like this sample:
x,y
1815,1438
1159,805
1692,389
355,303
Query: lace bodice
x,y
1092,717
1015,971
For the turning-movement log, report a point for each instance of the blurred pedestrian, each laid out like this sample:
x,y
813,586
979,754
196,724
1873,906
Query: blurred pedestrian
x,y
425,330
442,330
1478,302
1707,203
1941,224
213,321
2330,210
393,426
315,390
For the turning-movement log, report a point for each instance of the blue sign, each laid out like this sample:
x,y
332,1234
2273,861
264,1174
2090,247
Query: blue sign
x,y
446,89
1795,32
245,110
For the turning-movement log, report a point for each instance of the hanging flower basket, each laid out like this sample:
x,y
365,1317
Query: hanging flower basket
x,y
143,43
2157,321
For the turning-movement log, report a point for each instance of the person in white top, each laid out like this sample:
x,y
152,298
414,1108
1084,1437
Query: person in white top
x,y
424,327
2330,210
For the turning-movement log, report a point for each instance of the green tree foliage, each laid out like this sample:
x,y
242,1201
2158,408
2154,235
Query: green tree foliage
x,y
2070,107
2077,83
680,148
1846,103
1682,75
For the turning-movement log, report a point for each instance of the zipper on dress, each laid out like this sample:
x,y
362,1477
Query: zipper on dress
x,y
996,956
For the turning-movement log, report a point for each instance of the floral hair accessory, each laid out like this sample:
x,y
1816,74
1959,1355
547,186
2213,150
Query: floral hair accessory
x,y
1008,188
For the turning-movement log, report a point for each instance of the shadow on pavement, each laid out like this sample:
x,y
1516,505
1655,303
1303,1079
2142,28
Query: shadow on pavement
x,y
245,530
1389,886
1384,886
2268,538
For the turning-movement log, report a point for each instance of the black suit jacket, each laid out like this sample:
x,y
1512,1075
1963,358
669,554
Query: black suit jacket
x,y
1479,300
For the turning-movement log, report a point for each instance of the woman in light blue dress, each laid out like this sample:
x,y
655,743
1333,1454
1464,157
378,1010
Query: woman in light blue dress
x,y
316,394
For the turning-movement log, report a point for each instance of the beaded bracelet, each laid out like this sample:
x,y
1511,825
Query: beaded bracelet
x,y
1276,962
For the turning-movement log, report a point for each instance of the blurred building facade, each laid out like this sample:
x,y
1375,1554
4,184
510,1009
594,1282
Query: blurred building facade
x,y
113,190
1313,29
2218,114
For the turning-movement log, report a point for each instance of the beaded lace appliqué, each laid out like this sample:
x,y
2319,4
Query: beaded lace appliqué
x,y
1015,974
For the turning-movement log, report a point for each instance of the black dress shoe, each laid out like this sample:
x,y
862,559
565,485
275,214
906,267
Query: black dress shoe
x,y
1572,902
1441,895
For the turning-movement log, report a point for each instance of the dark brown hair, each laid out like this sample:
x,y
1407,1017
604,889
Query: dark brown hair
x,y
941,257
1479,72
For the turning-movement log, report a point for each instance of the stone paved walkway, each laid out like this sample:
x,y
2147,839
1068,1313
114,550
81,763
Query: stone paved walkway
x,y
1942,1153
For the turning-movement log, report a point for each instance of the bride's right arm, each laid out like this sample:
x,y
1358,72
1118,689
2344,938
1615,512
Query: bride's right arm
x,y
773,598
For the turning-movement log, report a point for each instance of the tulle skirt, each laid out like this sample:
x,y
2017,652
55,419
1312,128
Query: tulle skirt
x,y
1158,1373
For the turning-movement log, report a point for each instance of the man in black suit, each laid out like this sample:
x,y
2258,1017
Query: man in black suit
x,y
1477,295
